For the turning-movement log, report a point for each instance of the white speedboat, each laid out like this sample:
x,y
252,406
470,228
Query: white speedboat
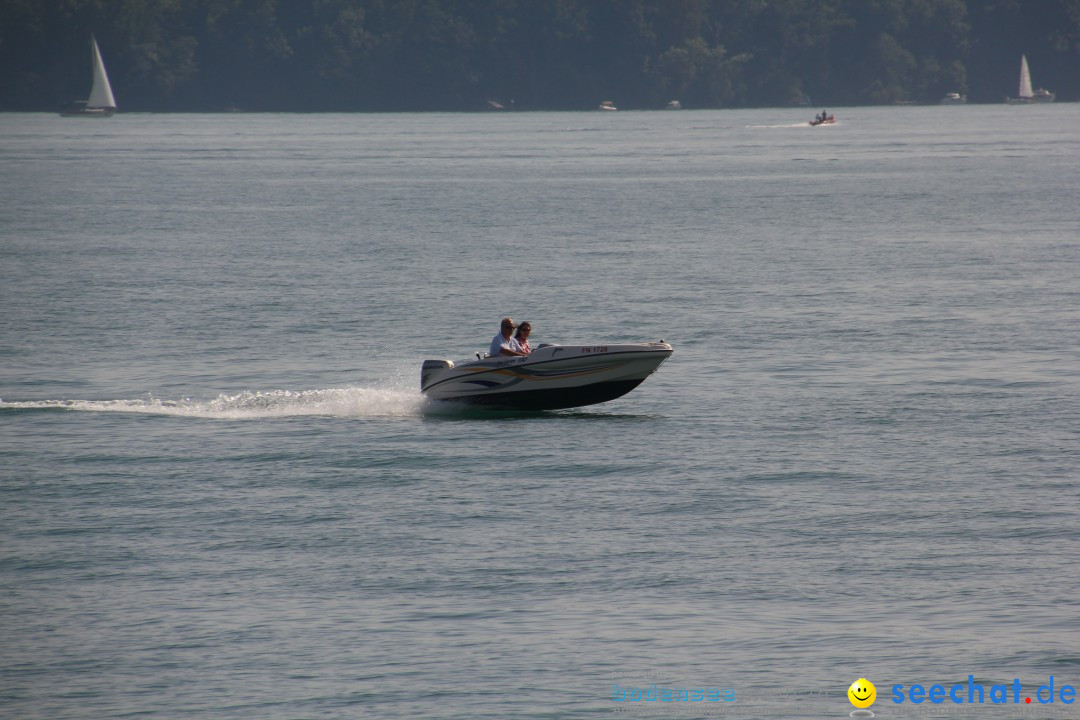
x,y
551,377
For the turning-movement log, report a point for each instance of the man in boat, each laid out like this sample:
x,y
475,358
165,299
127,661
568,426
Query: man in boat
x,y
503,343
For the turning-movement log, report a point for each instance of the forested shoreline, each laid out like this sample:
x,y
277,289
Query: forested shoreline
x,y
455,55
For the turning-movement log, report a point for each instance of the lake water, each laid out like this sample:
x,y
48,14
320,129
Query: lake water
x,y
222,495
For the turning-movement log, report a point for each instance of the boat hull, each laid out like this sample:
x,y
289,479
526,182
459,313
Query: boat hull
x,y
1033,100
551,378
86,112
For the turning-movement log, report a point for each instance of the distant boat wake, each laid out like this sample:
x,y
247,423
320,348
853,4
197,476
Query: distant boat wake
x,y
334,402
789,125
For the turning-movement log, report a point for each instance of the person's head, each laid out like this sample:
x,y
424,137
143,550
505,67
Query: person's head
x,y
524,329
507,326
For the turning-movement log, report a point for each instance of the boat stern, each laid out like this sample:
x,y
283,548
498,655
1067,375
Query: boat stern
x,y
430,369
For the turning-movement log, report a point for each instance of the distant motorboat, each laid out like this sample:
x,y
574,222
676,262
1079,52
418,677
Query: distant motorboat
x,y
954,99
1026,95
823,119
101,102
674,105
607,105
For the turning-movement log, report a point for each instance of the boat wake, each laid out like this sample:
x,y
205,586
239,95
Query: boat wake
x,y
334,402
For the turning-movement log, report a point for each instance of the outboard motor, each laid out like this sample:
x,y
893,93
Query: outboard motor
x,y
432,367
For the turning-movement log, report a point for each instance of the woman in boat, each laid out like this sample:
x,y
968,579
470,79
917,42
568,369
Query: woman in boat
x,y
522,336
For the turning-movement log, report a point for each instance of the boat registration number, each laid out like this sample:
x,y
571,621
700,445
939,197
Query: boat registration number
x,y
598,349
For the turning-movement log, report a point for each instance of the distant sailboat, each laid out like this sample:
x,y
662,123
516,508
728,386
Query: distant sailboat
x,y
101,102
1026,95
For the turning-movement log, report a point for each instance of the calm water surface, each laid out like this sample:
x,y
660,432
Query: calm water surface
x,y
222,496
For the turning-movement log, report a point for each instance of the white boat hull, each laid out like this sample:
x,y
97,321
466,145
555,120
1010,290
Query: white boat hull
x,y
552,377
81,110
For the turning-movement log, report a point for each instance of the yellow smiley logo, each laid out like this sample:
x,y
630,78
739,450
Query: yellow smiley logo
x,y
862,693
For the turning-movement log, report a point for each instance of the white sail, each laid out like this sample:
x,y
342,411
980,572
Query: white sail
x,y
101,92
1025,79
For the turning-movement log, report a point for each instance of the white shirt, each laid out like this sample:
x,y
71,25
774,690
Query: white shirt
x,y
499,342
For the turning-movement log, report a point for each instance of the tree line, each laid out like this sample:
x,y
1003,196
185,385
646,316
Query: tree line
x,y
413,55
